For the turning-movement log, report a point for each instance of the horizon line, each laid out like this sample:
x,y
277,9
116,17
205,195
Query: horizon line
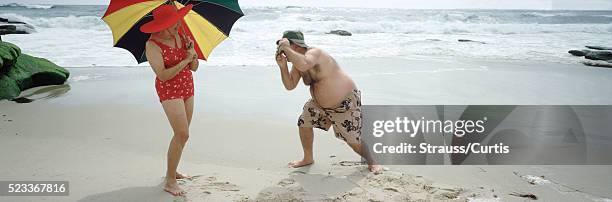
x,y
399,8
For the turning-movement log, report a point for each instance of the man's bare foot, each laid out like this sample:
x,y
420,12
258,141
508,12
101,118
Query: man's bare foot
x,y
376,169
301,163
174,189
181,176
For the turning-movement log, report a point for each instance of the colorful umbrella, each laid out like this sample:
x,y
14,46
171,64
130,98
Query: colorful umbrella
x,y
208,23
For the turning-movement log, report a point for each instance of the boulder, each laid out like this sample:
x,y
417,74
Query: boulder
x,y
579,53
14,27
598,64
8,56
599,55
340,32
599,47
5,20
11,29
26,72
8,88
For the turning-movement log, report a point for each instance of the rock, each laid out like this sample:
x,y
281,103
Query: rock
x,y
31,72
579,53
467,40
8,56
5,20
599,47
340,32
11,29
599,55
22,100
22,71
598,64
8,88
15,27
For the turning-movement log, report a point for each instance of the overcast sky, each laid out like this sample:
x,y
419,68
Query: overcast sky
x,y
418,4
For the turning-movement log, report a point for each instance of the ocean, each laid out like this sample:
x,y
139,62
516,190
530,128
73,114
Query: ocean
x,y
75,36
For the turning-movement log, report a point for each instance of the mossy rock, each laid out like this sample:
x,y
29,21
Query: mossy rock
x,y
8,56
30,72
8,88
21,71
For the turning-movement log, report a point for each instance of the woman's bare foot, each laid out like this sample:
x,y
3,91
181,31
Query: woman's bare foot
x,y
181,176
173,188
301,163
376,169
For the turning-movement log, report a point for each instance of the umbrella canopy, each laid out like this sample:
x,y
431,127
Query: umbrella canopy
x,y
208,23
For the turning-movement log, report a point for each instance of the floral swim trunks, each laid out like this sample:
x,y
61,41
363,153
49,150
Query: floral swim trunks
x,y
345,117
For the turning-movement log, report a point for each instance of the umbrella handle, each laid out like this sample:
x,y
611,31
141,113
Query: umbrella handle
x,y
184,35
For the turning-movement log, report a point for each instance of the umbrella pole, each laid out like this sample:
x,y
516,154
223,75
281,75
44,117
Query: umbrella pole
x,y
172,2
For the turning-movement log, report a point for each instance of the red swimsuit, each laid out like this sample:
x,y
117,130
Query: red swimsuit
x,y
179,86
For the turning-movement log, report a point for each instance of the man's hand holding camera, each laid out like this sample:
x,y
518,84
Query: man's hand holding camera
x,y
281,58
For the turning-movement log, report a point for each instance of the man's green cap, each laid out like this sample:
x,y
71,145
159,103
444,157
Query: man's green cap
x,y
296,37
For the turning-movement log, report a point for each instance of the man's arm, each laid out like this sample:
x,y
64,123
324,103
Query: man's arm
x,y
290,79
299,61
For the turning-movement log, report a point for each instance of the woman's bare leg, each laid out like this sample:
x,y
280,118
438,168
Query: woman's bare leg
x,y
189,111
177,116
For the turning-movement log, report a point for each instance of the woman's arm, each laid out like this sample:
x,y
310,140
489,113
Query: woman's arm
x,y
191,48
153,53
194,65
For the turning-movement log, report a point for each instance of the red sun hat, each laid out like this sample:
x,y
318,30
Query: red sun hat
x,y
164,17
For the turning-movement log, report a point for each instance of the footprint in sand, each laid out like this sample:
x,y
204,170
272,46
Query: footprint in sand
x,y
394,186
286,182
390,186
200,188
209,185
351,163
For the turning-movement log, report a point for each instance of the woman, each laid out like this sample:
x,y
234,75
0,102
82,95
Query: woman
x,y
172,58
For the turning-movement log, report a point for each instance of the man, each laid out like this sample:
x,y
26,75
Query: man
x,y
335,99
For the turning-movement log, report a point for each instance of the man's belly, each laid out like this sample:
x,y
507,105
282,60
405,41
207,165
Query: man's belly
x,y
329,93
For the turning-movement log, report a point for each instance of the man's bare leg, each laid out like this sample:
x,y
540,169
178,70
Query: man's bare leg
x,y
307,138
372,166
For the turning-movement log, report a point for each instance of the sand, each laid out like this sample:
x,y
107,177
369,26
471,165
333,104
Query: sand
x,y
105,132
